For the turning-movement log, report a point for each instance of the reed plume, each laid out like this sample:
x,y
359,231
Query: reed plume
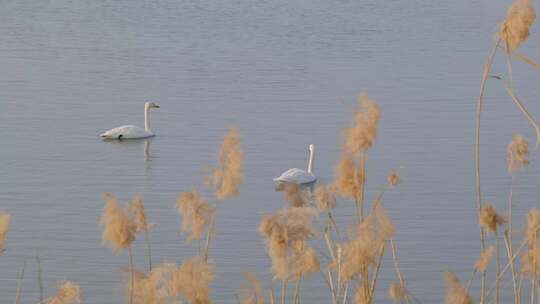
x,y
483,262
530,261
191,280
286,234
349,178
147,288
515,28
294,195
456,293
5,220
533,225
119,225
67,293
119,229
393,178
227,177
490,219
196,214
363,131
325,197
398,293
517,153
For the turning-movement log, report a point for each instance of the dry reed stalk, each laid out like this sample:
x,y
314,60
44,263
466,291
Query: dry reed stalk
x,y
19,284
228,175
456,293
509,254
501,274
67,293
498,267
283,291
398,268
142,224
297,290
39,277
522,108
209,234
376,275
252,293
526,60
272,296
479,106
5,220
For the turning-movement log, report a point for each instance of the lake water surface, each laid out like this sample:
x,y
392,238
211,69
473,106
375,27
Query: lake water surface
x,y
285,73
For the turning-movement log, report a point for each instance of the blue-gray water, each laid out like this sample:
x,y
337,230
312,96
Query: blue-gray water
x,y
283,72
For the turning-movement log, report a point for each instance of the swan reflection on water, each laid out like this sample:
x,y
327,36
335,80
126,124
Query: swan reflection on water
x,y
131,144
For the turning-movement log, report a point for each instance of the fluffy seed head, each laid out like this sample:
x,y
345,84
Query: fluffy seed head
x,y
228,175
136,206
147,288
398,293
5,219
490,219
533,225
191,280
326,200
196,214
363,131
456,293
483,262
294,195
519,19
393,178
118,224
67,293
530,260
349,178
517,153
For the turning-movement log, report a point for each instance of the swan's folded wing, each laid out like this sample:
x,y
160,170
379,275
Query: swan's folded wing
x,y
296,176
128,131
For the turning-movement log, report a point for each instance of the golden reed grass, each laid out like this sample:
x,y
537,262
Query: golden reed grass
x,y
196,214
517,153
228,175
514,30
483,262
363,131
398,293
456,293
141,224
118,223
490,219
5,220
67,293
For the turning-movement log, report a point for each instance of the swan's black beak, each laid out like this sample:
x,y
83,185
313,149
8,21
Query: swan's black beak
x,y
157,106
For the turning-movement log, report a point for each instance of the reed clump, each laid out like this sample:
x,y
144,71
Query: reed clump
x,y
5,220
67,293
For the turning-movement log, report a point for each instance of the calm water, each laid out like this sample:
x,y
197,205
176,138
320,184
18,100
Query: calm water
x,y
279,70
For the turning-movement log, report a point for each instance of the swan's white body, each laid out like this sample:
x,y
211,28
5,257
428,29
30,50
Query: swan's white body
x,y
299,176
130,131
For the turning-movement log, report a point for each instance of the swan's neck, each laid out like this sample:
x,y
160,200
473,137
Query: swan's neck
x,y
146,121
310,162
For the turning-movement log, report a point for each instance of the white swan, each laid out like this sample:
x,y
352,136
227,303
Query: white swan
x,y
299,176
130,131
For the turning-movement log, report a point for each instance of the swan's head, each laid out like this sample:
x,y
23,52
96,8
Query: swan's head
x,y
311,148
151,105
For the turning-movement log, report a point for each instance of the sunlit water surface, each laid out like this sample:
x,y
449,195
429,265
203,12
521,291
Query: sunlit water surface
x,y
285,73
